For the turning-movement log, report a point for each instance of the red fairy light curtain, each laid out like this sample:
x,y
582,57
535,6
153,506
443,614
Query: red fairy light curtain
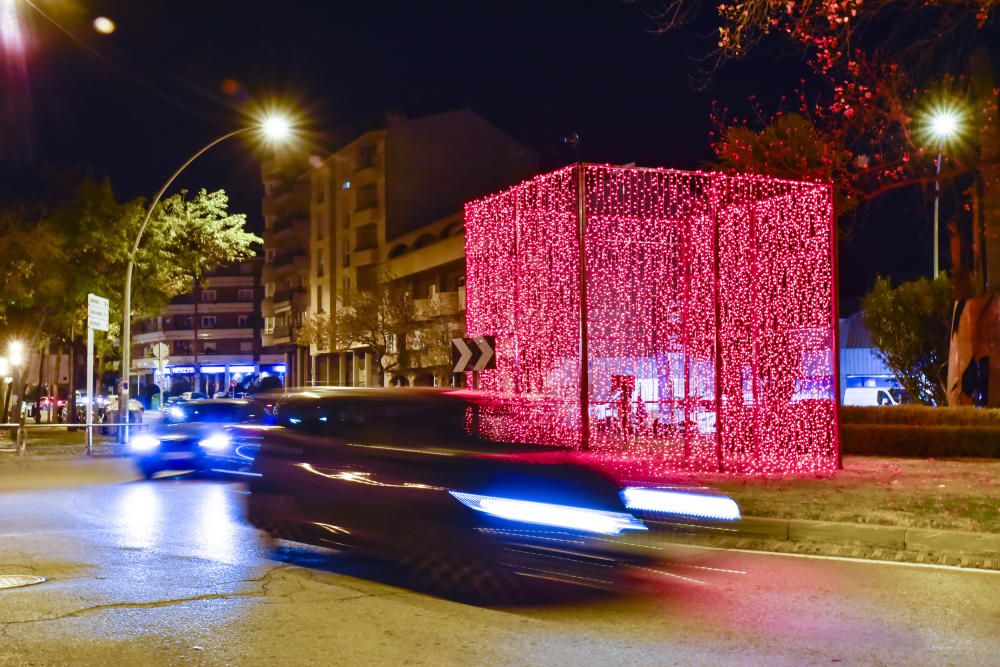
x,y
709,316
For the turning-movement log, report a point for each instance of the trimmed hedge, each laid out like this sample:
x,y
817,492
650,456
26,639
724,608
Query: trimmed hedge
x,y
920,415
905,440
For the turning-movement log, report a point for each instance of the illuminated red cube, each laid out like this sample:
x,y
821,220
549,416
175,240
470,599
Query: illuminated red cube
x,y
714,292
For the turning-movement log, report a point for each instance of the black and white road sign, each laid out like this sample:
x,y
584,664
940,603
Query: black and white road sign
x,y
473,354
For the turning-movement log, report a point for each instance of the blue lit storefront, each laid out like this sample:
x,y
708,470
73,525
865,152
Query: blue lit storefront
x,y
213,379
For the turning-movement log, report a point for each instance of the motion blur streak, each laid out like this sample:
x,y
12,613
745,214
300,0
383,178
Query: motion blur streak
x,y
681,503
547,514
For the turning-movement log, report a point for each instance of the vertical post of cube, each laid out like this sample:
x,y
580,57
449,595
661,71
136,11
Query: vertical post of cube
x,y
581,218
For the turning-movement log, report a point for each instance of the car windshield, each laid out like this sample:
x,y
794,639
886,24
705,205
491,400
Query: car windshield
x,y
208,412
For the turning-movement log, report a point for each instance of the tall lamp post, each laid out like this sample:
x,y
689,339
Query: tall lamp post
x,y
273,128
944,125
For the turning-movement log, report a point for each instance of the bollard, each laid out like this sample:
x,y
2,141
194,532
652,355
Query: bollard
x,y
22,444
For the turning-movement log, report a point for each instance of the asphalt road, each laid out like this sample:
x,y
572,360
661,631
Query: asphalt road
x,y
166,572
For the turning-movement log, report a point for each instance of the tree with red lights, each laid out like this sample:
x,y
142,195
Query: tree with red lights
x,y
861,121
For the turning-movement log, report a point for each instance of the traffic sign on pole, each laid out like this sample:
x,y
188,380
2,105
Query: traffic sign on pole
x,y
473,354
97,319
97,312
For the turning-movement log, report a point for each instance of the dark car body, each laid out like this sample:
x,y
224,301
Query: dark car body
x,y
195,435
397,473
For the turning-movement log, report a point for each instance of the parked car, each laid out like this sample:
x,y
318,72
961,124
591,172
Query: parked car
x,y
871,396
404,474
194,436
111,415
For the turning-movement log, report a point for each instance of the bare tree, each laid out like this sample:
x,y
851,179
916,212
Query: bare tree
x,y
376,320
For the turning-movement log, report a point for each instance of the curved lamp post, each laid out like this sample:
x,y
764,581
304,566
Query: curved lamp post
x,y
273,128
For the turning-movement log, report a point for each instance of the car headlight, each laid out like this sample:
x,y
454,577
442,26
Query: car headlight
x,y
548,514
143,442
176,412
216,442
681,503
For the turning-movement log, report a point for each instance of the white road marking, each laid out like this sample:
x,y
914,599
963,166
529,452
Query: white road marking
x,y
932,566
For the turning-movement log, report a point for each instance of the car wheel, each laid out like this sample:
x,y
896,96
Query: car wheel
x,y
468,575
274,514
148,470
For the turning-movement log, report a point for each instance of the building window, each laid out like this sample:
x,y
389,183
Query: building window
x,y
208,322
319,264
346,185
269,254
185,321
244,320
320,221
246,346
319,189
366,197
182,347
208,348
269,325
245,295
268,290
208,295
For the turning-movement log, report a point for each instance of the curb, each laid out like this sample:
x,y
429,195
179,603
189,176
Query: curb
x,y
888,537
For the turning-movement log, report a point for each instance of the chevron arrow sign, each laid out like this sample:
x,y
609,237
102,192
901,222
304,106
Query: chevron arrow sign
x,y
473,354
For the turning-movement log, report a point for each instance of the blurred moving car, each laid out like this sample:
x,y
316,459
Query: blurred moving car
x,y
404,474
194,436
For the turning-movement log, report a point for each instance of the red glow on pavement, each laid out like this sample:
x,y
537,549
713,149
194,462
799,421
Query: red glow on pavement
x,y
678,264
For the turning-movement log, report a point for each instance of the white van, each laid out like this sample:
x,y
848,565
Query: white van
x,y
869,396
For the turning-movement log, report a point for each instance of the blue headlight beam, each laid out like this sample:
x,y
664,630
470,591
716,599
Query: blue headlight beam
x,y
681,503
547,514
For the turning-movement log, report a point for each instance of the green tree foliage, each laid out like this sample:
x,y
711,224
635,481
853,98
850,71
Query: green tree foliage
x,y
909,326
56,252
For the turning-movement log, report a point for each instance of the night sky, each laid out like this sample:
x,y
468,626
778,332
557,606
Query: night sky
x,y
135,104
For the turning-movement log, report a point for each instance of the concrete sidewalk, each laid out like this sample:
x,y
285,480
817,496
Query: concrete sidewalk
x,y
851,540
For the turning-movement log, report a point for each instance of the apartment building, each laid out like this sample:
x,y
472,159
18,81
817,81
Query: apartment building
x,y
285,272
212,336
388,206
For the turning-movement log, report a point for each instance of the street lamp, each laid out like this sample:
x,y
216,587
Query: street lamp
x,y
273,128
944,124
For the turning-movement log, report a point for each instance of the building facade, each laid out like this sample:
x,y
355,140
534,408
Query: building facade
x,y
285,272
387,208
212,337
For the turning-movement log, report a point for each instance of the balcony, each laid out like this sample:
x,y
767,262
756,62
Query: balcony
x,y
288,295
285,259
364,257
442,304
368,216
286,223
365,174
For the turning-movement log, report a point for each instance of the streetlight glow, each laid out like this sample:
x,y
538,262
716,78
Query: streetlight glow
x,y
104,25
276,128
4,366
15,352
944,124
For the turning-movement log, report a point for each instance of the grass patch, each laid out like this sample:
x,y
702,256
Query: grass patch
x,y
910,493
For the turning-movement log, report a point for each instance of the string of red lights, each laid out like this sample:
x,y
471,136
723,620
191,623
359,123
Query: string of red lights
x,y
709,318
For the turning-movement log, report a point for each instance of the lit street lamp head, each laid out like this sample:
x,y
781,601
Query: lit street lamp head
x,y
944,124
15,352
276,128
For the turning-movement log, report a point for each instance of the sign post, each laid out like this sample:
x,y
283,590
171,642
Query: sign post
x,y
473,354
160,352
97,318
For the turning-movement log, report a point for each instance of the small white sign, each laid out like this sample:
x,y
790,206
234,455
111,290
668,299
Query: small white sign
x,y
97,312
